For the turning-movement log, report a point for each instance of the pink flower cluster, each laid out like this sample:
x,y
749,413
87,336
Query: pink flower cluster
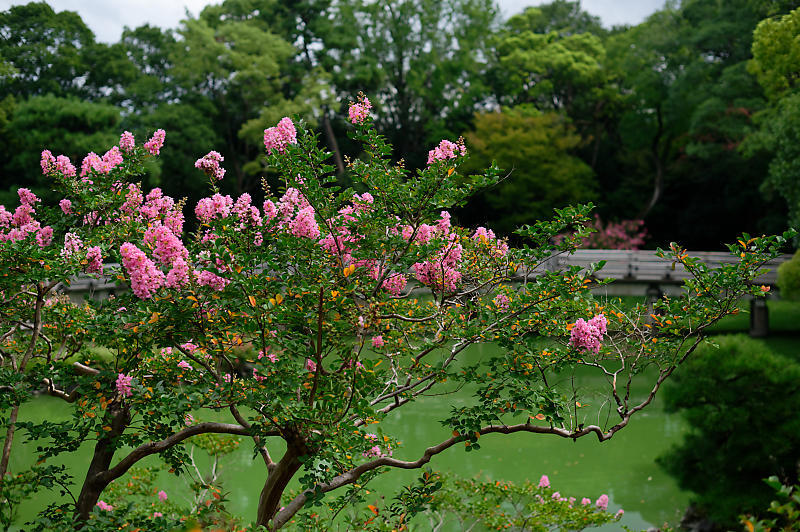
x,y
446,150
66,206
217,206
625,234
602,502
146,278
487,237
269,356
17,226
278,137
211,280
209,164
374,451
377,342
166,246
94,258
440,272
124,385
156,142
501,301
61,164
72,245
126,141
586,335
110,160
104,506
395,283
304,224
359,111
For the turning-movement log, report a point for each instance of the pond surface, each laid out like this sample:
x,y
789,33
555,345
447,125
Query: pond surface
x,y
623,467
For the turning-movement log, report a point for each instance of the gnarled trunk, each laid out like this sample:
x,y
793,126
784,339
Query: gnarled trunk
x,y
98,477
277,480
12,424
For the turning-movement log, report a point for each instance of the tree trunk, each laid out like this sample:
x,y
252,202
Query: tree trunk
x,y
97,477
12,424
277,480
658,180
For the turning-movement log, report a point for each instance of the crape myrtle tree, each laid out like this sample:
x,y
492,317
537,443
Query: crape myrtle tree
x,y
345,304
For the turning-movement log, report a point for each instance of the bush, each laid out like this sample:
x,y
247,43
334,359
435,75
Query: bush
x,y
741,401
789,278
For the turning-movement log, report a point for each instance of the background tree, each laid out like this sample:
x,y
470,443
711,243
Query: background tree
x,y
535,149
740,400
776,64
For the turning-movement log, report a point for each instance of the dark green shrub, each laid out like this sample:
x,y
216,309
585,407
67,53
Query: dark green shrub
x,y
742,402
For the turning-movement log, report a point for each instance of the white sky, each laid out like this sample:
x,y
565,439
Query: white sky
x,y
106,18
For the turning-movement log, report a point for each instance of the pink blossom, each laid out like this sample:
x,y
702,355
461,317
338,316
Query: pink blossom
x,y
178,276
104,506
26,197
544,482
145,277
217,206
586,500
619,513
359,111
94,257
394,283
64,165
211,280
72,245
166,246
47,162
305,225
586,336
310,365
184,365
446,150
44,236
66,206
126,141
209,164
602,502
377,341
133,199
375,450
270,356
162,495
556,496
269,210
278,137
156,142
124,385
188,419
157,514
501,301
189,347
257,377
110,160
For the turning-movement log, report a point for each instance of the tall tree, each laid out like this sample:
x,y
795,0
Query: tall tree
x,y
776,64
420,61
46,48
535,149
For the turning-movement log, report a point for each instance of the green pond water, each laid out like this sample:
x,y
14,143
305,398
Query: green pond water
x,y
623,467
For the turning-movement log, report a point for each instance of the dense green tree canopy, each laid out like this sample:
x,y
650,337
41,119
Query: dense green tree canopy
x,y
657,111
535,150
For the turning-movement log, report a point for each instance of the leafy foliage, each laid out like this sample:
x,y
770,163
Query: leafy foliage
x,y
739,399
